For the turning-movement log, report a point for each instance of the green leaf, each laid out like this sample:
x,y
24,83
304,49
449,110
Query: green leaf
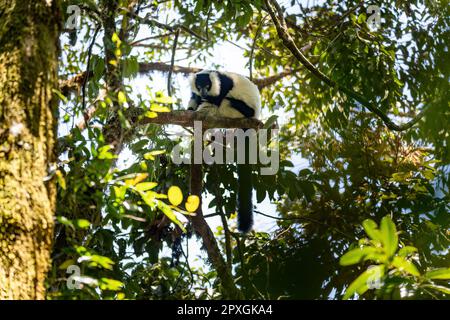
x,y
82,223
405,265
121,97
66,264
389,235
401,177
130,67
406,251
443,289
149,198
99,68
198,7
159,108
61,180
357,255
165,100
110,284
371,229
144,186
115,38
272,119
150,114
361,18
151,155
169,213
175,195
96,260
104,153
120,192
360,284
63,220
60,95
443,273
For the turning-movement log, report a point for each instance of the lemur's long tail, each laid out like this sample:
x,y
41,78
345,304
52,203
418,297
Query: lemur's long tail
x,y
245,206
245,188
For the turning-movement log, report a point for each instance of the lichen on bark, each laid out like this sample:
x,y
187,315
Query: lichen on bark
x,y
29,32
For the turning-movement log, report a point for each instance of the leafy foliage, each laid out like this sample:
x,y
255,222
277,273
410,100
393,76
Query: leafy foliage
x,y
123,216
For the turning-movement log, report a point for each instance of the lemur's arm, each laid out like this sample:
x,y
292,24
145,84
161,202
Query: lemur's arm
x,y
195,101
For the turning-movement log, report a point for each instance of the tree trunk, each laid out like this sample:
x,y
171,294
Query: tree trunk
x,y
29,32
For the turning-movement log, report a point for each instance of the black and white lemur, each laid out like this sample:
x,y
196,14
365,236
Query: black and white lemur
x,y
230,95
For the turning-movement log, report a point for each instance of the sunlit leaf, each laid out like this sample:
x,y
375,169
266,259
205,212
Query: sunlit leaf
x,y
110,284
151,155
170,214
144,186
120,192
175,195
66,264
150,114
442,289
61,180
405,265
165,100
138,178
443,273
406,251
357,255
121,97
361,284
82,223
159,108
371,229
389,235
192,203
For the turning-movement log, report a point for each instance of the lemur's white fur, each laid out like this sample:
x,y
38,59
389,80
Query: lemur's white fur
x,y
243,89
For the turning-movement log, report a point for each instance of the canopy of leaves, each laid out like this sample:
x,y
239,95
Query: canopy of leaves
x,y
124,206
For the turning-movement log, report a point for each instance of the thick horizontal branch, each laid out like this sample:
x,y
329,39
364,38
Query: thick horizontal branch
x,y
186,119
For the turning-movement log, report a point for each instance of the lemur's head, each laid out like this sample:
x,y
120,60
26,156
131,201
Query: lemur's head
x,y
206,83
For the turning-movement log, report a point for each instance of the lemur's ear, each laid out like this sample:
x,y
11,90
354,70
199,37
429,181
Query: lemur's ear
x,y
215,84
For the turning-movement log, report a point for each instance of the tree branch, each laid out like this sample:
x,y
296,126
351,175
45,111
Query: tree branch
x,y
276,13
186,118
172,62
200,225
88,65
74,84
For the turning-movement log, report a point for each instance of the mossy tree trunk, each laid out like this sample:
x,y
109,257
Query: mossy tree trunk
x,y
29,32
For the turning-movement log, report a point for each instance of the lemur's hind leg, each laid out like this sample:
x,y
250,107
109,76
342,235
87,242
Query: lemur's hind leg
x,y
207,108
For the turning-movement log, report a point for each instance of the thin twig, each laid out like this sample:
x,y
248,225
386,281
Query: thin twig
x,y
88,64
252,51
306,219
172,62
135,43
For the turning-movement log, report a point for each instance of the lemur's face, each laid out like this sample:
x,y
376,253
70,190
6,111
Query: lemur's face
x,y
203,84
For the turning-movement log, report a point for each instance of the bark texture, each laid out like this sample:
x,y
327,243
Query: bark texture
x,y
29,33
